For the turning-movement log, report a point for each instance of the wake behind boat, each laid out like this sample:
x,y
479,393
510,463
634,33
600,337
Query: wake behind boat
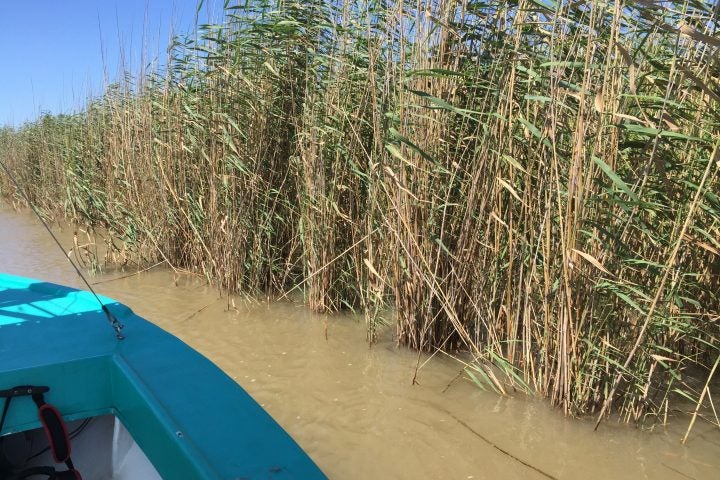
x,y
144,407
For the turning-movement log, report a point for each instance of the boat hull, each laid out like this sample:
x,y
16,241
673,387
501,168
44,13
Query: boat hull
x,y
189,418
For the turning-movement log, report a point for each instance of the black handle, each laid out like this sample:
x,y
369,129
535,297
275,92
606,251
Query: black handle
x,y
23,390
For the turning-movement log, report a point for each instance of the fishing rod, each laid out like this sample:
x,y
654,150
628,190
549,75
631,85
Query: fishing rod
x,y
112,319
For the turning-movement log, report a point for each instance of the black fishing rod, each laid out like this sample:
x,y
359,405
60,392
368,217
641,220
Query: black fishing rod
x,y
112,319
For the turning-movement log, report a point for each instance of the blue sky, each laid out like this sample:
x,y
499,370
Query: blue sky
x,y
56,53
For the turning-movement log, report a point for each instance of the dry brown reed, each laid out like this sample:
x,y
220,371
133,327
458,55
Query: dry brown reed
x,y
534,182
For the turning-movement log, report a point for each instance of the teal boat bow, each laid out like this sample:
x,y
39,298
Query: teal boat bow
x,y
189,418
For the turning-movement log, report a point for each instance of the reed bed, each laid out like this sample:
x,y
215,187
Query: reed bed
x,y
534,182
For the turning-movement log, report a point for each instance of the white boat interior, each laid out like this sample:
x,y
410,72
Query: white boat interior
x,y
102,449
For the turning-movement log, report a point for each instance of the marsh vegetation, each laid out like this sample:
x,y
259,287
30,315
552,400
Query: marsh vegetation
x,y
533,182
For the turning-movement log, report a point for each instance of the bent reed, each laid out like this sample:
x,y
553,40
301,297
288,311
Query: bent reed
x,y
534,182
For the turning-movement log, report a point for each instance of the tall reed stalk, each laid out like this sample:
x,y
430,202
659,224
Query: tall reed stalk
x,y
534,182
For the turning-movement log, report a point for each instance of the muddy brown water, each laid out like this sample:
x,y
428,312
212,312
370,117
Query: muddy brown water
x,y
354,408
